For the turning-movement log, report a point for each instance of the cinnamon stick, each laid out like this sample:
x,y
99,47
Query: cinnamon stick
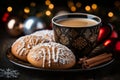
x,y
97,58
96,63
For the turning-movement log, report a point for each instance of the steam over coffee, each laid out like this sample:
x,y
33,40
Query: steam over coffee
x,y
77,22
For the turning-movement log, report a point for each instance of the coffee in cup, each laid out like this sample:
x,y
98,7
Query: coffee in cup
x,y
77,22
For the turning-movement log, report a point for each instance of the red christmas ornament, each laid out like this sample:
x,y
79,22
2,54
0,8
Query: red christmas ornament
x,y
104,33
114,34
101,33
117,46
5,17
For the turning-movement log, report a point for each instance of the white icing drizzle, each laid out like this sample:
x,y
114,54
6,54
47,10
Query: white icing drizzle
x,y
55,51
44,57
49,57
20,48
54,57
26,43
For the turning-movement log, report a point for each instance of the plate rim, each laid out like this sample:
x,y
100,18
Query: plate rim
x,y
54,70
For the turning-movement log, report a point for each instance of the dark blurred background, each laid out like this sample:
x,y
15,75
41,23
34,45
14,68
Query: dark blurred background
x,y
22,10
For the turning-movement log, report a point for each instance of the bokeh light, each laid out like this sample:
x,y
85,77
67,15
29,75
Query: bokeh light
x,y
110,14
47,2
26,10
78,4
70,4
9,9
11,24
5,17
51,6
48,13
73,8
107,42
29,23
94,6
87,8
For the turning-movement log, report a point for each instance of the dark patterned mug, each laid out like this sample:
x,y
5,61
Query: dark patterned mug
x,y
78,31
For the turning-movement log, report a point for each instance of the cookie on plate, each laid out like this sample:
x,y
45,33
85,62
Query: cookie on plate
x,y
51,56
21,47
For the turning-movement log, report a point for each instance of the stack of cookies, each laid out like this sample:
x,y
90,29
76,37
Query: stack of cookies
x,y
41,50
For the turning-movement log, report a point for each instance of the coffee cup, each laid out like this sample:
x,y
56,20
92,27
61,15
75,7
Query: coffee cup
x,y
78,31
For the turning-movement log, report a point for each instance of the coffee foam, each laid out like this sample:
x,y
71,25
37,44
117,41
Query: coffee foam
x,y
77,22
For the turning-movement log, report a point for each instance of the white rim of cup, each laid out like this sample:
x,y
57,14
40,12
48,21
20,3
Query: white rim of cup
x,y
74,14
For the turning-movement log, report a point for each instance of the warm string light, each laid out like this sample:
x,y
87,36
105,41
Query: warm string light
x,y
48,12
9,9
72,5
110,14
51,6
27,10
94,6
87,8
47,2
73,8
